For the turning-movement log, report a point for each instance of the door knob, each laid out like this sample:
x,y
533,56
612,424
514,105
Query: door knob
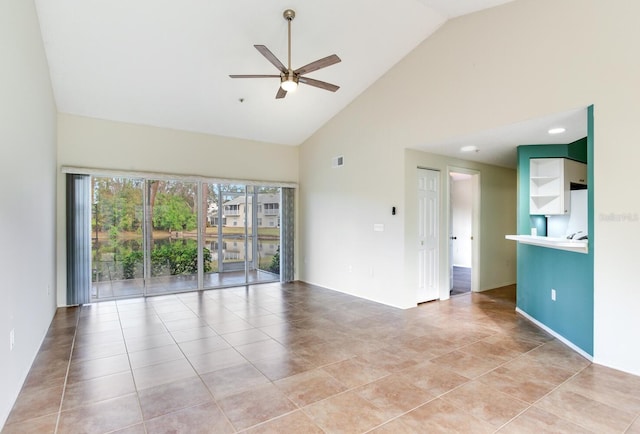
x,y
454,238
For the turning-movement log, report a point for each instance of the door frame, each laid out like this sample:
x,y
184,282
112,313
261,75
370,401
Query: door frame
x,y
475,226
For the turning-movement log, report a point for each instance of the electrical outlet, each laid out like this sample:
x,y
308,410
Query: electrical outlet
x,y
553,294
12,339
350,269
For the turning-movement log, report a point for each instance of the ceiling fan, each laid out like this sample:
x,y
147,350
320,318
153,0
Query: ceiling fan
x,y
290,78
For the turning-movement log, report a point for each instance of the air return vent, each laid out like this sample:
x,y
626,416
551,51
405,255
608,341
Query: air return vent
x,y
337,161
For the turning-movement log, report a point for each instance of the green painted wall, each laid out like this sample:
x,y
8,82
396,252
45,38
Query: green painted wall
x,y
541,268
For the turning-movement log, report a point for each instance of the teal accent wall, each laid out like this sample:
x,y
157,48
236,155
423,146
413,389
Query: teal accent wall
x,y
541,268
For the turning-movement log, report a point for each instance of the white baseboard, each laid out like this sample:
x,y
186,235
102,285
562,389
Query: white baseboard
x,y
555,335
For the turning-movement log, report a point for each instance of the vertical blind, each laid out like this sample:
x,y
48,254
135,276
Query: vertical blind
x,y
287,242
78,239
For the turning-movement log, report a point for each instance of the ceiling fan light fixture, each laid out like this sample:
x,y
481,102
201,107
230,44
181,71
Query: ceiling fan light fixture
x,y
289,84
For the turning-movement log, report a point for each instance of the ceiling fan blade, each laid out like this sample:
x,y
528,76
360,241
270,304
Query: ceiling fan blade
x,y
281,93
271,58
317,83
253,76
318,64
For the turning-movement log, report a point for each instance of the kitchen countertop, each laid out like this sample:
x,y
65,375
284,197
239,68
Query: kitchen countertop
x,y
580,246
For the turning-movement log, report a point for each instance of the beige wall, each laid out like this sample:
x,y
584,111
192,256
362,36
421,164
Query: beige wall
x,y
27,195
95,143
519,61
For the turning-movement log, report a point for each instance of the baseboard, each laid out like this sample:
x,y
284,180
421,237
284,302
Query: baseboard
x,y
555,335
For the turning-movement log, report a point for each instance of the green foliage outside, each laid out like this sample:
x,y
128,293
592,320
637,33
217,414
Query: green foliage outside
x,y
173,258
274,267
172,213
178,258
131,261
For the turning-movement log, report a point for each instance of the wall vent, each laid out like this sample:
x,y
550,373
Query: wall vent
x,y
337,161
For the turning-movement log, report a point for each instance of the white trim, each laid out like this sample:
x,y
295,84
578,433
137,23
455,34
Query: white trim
x,y
555,335
170,176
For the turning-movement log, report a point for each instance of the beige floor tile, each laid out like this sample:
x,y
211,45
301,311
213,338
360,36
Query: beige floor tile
x,y
132,429
635,427
466,364
262,350
146,342
153,356
441,416
296,422
90,369
162,373
159,400
244,337
97,351
36,402
559,355
284,365
254,406
537,421
518,385
97,389
355,372
192,334
485,403
309,387
233,380
433,378
204,345
586,412
201,419
394,394
397,426
42,425
215,360
608,386
345,413
101,417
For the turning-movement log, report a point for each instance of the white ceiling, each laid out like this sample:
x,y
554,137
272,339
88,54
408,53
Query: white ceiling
x,y
498,146
167,63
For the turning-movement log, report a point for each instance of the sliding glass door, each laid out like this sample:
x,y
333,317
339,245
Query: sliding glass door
x,y
267,234
117,239
158,236
172,236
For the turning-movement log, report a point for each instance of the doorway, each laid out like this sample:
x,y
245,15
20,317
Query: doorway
x,y
464,203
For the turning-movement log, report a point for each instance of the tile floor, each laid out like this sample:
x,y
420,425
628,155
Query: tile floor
x,y
295,358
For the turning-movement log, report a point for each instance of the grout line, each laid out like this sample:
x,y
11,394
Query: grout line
x,y
133,378
66,375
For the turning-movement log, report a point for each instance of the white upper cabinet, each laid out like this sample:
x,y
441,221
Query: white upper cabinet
x,y
550,184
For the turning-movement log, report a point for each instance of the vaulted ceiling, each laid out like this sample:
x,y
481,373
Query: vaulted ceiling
x,y
167,63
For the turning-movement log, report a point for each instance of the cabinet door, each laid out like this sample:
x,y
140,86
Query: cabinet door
x,y
575,172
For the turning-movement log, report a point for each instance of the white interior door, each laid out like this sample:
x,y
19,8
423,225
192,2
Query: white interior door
x,y
428,228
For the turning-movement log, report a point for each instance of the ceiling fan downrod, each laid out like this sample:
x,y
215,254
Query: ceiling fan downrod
x,y
289,15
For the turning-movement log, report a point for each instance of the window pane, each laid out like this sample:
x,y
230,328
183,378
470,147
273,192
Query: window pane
x,y
173,221
117,241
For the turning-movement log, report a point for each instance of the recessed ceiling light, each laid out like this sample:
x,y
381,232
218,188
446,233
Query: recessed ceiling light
x,y
469,148
558,130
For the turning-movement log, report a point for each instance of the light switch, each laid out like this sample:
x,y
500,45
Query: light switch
x,y
378,227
